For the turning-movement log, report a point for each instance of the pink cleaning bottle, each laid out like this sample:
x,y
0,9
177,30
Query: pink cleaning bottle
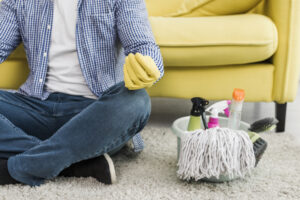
x,y
214,119
226,110
215,109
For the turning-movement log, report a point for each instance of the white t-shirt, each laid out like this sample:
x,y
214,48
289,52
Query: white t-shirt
x,y
64,73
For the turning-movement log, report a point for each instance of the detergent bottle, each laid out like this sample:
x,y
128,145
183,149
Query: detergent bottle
x,y
197,112
215,109
236,109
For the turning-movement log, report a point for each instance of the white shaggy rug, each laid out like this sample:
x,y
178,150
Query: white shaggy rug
x,y
152,175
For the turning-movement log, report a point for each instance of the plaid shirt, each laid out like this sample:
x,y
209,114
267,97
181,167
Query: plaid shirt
x,y
106,32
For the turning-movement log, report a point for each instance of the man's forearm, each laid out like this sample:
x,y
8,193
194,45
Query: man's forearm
x,y
10,36
135,32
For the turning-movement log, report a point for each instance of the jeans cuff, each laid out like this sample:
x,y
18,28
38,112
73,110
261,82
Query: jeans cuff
x,y
22,179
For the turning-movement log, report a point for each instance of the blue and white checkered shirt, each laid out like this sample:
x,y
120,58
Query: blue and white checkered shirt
x,y
106,32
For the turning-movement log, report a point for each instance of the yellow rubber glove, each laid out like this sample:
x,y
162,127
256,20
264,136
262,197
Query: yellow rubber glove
x,y
139,71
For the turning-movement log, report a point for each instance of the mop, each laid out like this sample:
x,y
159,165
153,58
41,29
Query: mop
x,y
215,152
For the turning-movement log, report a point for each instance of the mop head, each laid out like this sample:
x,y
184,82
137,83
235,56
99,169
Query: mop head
x,y
214,152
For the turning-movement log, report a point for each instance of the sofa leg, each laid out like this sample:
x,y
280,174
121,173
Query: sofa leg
x,y
281,116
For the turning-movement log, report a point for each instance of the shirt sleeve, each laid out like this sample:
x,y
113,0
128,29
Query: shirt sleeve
x,y
135,32
9,31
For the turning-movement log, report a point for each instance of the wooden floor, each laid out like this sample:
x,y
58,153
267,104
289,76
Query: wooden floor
x,y
166,110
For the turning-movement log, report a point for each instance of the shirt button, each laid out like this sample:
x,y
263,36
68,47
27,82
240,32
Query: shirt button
x,y
41,80
45,54
49,27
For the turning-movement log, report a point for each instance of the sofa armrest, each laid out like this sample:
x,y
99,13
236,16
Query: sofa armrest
x,y
286,16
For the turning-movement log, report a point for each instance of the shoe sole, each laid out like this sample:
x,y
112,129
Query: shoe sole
x,y
111,168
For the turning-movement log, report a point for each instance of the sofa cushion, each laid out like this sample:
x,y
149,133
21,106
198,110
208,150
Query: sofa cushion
x,y
13,73
217,40
198,8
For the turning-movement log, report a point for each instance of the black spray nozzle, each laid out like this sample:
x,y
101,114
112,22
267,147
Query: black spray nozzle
x,y
199,108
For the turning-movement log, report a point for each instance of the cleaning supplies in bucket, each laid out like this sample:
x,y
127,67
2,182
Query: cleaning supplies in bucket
x,y
215,152
223,153
179,128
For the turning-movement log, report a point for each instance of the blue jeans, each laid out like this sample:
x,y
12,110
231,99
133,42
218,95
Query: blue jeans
x,y
41,138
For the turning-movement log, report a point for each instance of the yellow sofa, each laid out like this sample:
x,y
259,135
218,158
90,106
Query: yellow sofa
x,y
210,56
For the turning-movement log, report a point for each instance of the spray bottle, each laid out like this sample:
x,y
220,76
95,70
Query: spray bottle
x,y
215,109
236,109
197,112
227,111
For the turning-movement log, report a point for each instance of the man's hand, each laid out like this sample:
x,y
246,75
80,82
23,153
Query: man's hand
x,y
139,71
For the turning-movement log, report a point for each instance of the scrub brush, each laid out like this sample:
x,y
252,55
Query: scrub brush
x,y
259,146
262,125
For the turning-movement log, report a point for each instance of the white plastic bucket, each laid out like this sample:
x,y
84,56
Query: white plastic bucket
x,y
179,128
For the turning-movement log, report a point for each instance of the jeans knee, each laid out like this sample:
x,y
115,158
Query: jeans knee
x,y
144,102
144,107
